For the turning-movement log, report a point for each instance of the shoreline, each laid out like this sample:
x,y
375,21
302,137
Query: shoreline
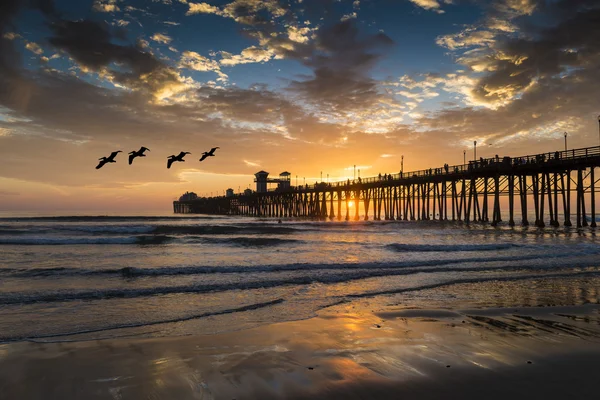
x,y
347,351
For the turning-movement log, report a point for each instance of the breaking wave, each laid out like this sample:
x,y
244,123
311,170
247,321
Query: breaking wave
x,y
101,294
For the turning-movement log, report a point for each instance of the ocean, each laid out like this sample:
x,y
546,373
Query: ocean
x,y
87,278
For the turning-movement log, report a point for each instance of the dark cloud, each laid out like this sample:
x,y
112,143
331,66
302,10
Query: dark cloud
x,y
517,63
9,58
541,78
341,60
90,44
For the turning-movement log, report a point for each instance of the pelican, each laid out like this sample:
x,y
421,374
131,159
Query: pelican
x,y
139,153
109,159
179,157
210,153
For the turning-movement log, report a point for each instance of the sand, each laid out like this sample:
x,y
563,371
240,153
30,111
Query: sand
x,y
346,352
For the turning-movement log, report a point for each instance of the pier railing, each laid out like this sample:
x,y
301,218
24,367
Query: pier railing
x,y
482,164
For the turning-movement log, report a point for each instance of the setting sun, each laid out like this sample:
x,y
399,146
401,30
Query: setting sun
x,y
351,204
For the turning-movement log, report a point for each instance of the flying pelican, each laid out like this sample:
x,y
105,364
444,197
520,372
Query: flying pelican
x,y
109,159
139,153
210,153
179,157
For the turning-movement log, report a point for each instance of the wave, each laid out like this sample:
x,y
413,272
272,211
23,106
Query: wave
x,y
132,272
101,294
21,231
107,228
249,229
58,241
400,247
249,307
473,280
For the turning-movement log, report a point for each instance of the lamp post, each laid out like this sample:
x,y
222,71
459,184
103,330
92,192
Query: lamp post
x,y
565,141
305,180
327,178
402,162
355,172
321,176
296,180
464,156
475,150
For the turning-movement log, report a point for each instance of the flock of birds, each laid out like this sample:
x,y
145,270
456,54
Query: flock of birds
x,y
140,153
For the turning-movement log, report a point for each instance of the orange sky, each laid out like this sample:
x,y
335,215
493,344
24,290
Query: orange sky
x,y
330,88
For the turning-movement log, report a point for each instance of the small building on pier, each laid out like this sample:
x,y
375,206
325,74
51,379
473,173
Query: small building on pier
x,y
188,196
229,192
262,181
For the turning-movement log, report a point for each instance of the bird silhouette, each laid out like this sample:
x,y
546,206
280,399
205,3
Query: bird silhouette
x,y
210,153
179,157
139,153
109,159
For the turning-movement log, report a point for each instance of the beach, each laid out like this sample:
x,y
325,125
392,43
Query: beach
x,y
192,307
347,351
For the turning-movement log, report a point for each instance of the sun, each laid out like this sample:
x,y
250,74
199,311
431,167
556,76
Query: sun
x,y
351,204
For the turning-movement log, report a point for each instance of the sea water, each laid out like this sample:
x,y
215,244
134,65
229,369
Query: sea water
x,y
87,278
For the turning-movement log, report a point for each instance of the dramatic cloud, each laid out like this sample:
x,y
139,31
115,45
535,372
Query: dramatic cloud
x,y
341,61
90,44
243,11
299,84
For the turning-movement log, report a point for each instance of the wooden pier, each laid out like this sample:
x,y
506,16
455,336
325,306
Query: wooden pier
x,y
546,184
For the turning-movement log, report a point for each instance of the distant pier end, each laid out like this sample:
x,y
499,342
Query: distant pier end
x,y
547,183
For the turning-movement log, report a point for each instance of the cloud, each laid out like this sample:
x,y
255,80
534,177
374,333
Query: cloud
x,y
467,38
161,38
518,83
246,12
433,5
11,36
203,8
106,6
34,48
251,54
197,62
90,45
341,61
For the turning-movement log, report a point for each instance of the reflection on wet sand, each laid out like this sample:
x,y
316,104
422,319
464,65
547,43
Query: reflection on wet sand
x,y
358,354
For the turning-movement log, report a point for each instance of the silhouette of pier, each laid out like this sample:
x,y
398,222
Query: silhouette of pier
x,y
550,182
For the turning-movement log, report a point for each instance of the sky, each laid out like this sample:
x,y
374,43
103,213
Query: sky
x,y
305,86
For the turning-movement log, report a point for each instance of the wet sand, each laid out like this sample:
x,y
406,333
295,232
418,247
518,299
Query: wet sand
x,y
346,352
